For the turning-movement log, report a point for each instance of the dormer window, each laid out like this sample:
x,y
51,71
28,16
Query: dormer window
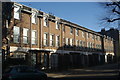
x,y
71,30
57,25
16,12
45,18
34,17
77,32
83,34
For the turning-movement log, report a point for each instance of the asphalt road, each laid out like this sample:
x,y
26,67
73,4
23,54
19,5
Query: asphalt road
x,y
85,78
103,72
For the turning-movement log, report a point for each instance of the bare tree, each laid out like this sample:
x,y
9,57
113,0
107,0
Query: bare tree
x,y
112,12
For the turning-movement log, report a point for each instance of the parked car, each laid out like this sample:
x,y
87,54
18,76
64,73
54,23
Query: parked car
x,y
23,72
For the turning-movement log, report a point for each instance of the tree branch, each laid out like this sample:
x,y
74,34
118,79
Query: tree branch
x,y
114,3
114,10
112,20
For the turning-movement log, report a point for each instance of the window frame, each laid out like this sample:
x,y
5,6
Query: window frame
x,y
57,25
34,18
77,32
34,38
71,42
57,40
71,30
83,34
26,36
45,39
45,21
52,40
17,12
16,35
67,43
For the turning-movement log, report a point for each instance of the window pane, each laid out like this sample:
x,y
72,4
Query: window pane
x,y
45,21
25,39
33,41
57,25
33,34
66,41
51,40
71,30
25,32
34,18
17,12
16,30
34,37
57,41
25,35
16,39
45,39
16,34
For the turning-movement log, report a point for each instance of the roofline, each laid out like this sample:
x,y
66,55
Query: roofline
x,y
74,24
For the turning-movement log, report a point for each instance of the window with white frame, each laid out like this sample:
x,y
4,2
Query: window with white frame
x,y
16,34
96,37
93,36
25,35
34,17
71,30
71,42
63,28
45,21
51,40
83,34
63,41
34,37
97,46
57,41
57,25
99,38
77,42
88,35
80,43
77,32
89,44
45,39
16,12
66,41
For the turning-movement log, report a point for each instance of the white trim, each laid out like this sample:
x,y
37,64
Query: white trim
x,y
110,53
13,48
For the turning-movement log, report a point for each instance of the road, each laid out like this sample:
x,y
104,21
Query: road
x,y
103,72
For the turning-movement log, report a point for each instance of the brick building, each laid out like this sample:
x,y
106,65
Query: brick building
x,y
113,33
38,37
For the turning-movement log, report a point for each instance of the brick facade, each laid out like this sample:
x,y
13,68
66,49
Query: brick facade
x,y
66,41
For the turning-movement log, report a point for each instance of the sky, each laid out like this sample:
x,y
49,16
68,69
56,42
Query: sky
x,y
86,14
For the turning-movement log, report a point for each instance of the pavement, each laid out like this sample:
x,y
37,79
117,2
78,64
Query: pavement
x,y
106,70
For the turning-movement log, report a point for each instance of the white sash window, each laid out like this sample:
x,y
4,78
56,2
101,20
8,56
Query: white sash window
x,y
45,39
17,12
34,37
25,35
16,34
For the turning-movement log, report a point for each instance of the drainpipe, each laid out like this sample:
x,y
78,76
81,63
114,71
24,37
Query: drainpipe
x,y
41,33
29,61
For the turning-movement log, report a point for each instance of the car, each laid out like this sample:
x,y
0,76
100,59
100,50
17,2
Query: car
x,y
23,72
